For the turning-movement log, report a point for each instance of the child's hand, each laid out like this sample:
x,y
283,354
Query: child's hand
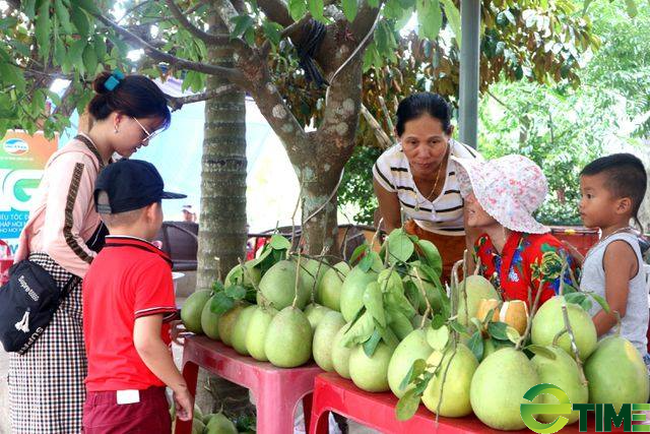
x,y
184,404
575,254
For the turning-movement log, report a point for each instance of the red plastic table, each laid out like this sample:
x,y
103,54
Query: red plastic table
x,y
277,391
377,411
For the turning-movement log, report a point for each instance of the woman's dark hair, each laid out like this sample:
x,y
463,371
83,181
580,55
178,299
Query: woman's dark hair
x,y
418,104
625,177
135,96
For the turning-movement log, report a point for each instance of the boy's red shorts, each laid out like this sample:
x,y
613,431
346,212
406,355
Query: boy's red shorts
x,y
103,415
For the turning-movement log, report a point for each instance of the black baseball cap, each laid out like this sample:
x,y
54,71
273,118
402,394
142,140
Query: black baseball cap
x,y
130,185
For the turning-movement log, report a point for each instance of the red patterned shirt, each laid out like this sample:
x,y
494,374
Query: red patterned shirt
x,y
527,261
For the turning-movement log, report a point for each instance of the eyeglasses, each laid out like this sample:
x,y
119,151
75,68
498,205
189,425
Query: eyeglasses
x,y
149,136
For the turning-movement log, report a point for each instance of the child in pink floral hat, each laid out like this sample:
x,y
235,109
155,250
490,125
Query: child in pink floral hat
x,y
517,253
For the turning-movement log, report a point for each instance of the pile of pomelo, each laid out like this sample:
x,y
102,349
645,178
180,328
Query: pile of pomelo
x,y
385,321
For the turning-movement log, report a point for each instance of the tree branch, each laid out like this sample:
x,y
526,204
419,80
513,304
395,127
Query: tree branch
x,y
177,102
230,74
277,113
384,140
275,10
226,11
364,21
133,9
64,108
208,38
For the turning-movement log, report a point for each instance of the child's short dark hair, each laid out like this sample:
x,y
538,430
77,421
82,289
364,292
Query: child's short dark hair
x,y
626,177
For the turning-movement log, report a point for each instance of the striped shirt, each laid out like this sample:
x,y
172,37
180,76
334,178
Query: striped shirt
x,y
443,215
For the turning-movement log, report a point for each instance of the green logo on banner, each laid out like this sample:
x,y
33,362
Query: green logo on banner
x,y
606,414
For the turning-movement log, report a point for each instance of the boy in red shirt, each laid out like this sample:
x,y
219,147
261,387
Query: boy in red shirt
x,y
128,299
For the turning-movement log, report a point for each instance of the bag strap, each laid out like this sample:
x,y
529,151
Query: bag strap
x,y
68,286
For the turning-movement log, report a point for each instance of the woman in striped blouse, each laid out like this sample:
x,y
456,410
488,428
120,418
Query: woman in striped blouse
x,y
415,180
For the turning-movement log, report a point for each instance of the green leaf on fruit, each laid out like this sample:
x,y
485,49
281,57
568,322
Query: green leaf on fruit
x,y
513,334
417,368
236,292
400,247
370,345
476,345
498,330
407,406
373,301
279,242
221,303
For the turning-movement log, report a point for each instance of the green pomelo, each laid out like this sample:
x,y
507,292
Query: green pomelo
x,y
562,372
197,426
616,373
478,288
192,309
227,323
352,291
312,272
433,295
240,330
329,288
457,370
341,353
371,373
324,335
549,321
288,339
210,321
256,333
498,388
220,424
278,286
315,314
413,347
197,414
248,277
491,345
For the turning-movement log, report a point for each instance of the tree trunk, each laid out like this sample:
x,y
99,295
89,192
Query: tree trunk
x,y
222,223
222,228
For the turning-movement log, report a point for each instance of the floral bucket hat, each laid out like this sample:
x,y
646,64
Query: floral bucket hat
x,y
509,189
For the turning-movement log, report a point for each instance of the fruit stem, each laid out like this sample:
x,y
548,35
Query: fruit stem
x,y
314,286
465,262
572,338
295,297
376,235
478,266
293,216
427,312
618,323
533,311
444,377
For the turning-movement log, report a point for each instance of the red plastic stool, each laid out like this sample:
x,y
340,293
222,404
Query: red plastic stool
x,y
276,390
377,411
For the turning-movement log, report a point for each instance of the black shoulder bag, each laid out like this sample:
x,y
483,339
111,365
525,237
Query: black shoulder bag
x,y
27,304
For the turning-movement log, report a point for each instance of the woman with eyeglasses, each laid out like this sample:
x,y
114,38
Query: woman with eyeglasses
x,y
63,235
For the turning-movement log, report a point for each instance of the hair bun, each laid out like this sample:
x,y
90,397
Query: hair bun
x,y
100,81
